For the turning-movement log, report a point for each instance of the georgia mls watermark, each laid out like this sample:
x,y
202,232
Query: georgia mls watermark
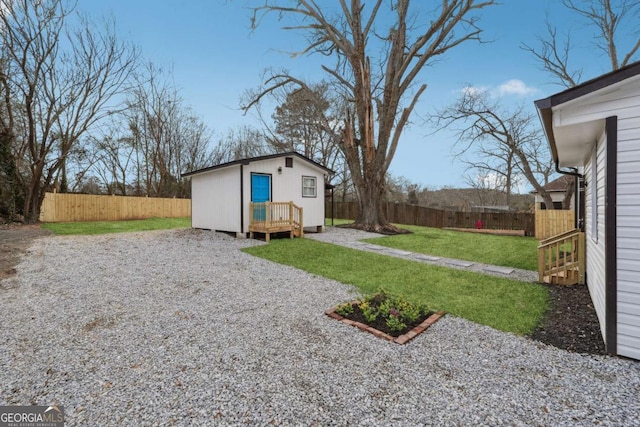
x,y
31,416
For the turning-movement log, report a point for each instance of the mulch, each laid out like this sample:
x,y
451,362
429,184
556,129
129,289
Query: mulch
x,y
381,325
571,322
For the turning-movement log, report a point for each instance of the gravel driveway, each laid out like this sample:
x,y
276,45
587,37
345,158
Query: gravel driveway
x,y
181,328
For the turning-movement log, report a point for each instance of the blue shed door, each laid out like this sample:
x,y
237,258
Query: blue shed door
x,y
260,192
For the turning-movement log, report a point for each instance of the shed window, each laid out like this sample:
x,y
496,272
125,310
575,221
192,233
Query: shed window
x,y
308,186
288,162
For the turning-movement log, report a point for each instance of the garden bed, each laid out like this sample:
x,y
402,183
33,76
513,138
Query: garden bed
x,y
387,317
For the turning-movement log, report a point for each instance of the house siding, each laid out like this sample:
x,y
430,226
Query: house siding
x,y
620,102
573,120
215,200
628,227
596,278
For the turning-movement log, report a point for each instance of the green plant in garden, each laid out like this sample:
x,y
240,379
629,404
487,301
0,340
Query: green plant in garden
x,y
395,324
395,311
345,309
370,313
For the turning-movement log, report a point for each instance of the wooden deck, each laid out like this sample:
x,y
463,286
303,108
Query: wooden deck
x,y
275,217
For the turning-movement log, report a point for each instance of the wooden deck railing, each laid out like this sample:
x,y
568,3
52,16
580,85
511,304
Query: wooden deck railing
x,y
275,217
562,259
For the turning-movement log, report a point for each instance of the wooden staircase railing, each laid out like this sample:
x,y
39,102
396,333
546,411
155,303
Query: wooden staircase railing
x,y
562,259
275,217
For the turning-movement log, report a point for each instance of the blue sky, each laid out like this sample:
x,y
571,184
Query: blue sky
x,y
215,58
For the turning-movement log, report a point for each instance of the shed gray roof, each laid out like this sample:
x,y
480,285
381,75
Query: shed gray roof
x,y
256,159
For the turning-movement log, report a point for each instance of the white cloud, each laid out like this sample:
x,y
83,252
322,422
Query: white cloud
x,y
473,90
516,87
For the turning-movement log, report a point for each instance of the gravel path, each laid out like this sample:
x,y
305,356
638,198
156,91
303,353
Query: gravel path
x,y
181,328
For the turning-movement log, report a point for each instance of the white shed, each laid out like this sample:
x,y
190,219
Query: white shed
x,y
595,129
261,194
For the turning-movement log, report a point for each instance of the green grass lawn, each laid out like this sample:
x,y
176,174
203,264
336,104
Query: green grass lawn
x,y
503,304
507,251
104,227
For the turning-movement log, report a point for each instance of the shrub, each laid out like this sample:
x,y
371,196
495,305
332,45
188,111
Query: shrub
x,y
394,311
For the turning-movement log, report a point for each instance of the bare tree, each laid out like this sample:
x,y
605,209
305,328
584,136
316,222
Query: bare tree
x,y
116,157
491,165
510,134
77,165
305,122
167,137
489,188
307,119
57,81
382,88
9,175
241,143
613,24
144,149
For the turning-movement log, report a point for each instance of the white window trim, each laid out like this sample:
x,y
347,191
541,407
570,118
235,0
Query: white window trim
x,y
314,188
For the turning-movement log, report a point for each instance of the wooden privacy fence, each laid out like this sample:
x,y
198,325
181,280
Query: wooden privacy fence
x,y
550,223
65,207
428,217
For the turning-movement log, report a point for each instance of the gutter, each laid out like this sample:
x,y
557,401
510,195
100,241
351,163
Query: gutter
x,y
546,118
545,113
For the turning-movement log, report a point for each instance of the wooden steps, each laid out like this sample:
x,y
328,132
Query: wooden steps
x,y
275,217
562,260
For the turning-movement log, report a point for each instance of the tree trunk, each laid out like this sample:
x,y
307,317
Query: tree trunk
x,y
508,190
370,213
64,185
34,195
548,202
571,187
9,183
37,197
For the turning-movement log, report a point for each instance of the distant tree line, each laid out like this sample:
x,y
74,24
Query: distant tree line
x,y
82,111
402,190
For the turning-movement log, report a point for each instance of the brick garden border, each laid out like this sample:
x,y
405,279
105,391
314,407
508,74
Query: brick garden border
x,y
402,339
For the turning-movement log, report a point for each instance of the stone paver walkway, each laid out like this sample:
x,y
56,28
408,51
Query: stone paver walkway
x,y
352,239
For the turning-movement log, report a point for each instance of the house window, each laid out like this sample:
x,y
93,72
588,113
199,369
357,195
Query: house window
x,y
308,186
288,162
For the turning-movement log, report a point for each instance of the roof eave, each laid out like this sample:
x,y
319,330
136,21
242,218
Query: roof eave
x,y
545,113
545,106
258,158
